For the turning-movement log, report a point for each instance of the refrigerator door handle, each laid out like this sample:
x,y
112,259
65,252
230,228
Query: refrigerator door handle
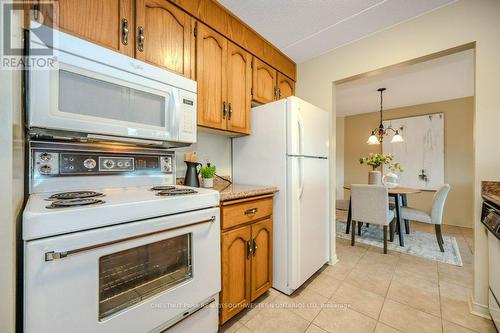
x,y
300,123
301,176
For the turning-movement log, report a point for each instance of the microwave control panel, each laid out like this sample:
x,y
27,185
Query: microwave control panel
x,y
50,163
187,128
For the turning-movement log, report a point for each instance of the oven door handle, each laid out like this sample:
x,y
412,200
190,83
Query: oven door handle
x,y
55,255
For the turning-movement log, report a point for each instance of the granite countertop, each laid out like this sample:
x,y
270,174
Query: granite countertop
x,y
240,191
233,191
491,191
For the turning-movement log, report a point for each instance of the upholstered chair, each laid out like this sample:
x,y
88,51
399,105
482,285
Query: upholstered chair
x,y
434,216
370,204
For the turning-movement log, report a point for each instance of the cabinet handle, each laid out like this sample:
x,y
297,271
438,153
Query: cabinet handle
x,y
249,249
251,211
224,110
279,93
254,250
140,39
275,93
230,112
125,31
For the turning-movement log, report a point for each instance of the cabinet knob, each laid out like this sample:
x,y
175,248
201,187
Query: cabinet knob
x,y
230,112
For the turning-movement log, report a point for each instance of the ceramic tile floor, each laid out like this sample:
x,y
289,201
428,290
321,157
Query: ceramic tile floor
x,y
367,291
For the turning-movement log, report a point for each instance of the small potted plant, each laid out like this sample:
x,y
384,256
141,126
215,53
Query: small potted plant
x,y
208,174
376,160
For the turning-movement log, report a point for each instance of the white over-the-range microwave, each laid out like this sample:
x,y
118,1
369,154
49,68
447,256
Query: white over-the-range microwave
x,y
94,93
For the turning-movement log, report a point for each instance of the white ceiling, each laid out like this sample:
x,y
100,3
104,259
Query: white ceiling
x,y
304,29
435,80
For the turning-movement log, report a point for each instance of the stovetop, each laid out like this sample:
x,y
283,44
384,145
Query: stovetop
x,y
50,214
74,195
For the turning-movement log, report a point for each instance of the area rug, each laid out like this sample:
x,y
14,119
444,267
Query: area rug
x,y
418,243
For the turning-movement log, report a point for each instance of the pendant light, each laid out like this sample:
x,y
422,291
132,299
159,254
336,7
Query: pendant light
x,y
377,136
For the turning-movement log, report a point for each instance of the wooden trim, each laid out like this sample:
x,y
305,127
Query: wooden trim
x,y
226,23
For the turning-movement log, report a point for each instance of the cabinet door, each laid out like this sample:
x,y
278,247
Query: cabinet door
x,y
239,85
286,86
166,35
235,256
211,58
262,260
264,82
100,22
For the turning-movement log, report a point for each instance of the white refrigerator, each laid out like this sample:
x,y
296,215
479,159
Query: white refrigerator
x,y
288,148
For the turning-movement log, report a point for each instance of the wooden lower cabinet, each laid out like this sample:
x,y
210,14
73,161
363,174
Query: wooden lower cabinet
x,y
262,258
246,255
235,267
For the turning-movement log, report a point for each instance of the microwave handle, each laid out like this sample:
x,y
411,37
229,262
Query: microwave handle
x,y
54,255
174,112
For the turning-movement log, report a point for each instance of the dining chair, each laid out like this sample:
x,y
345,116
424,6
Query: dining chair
x,y
404,203
434,216
370,204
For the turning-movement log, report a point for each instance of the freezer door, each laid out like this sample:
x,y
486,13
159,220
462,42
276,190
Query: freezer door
x,y
307,129
308,219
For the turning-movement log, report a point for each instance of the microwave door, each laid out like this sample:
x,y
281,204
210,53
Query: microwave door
x,y
85,96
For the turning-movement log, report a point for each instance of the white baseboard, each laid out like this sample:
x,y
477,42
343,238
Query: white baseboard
x,y
333,261
477,309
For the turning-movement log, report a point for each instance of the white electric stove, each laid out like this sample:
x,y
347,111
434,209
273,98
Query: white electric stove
x,y
112,245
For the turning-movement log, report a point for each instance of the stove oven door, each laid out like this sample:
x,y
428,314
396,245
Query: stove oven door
x,y
135,277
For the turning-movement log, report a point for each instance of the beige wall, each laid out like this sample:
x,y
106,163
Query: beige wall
x,y
462,22
458,157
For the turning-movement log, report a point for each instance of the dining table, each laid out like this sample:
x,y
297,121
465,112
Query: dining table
x,y
400,195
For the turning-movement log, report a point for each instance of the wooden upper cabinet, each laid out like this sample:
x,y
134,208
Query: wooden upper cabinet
x,y
262,261
239,77
211,49
286,86
264,82
164,36
101,22
236,276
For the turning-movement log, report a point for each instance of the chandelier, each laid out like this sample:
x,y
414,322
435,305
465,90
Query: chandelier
x,y
377,136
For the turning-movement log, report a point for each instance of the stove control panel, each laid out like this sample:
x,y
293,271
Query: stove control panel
x,y
48,163
120,164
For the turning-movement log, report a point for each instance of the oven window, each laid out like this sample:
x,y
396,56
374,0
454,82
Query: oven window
x,y
86,96
131,276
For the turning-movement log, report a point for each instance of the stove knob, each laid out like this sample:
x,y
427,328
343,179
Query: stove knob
x,y
89,163
108,164
45,157
45,169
